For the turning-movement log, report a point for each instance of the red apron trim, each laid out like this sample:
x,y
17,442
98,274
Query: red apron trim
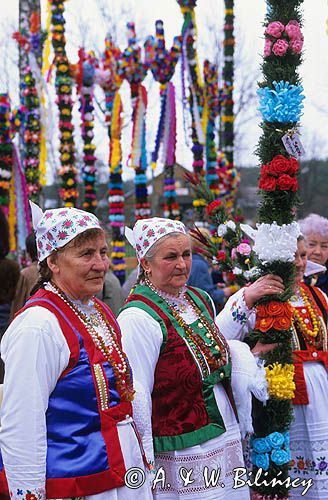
x,y
301,395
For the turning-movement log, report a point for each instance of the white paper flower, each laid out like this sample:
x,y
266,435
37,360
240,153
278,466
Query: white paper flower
x,y
222,229
231,225
252,273
236,270
273,242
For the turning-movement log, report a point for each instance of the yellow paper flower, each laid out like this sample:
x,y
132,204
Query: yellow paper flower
x,y
199,203
280,381
117,243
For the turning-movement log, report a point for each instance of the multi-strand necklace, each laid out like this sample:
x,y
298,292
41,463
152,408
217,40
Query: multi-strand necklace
x,y
107,344
202,346
314,333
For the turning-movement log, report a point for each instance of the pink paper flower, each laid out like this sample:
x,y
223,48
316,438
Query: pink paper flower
x,y
293,30
275,29
280,47
296,45
244,249
267,47
234,253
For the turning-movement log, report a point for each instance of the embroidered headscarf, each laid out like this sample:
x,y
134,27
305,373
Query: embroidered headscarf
x,y
146,232
56,227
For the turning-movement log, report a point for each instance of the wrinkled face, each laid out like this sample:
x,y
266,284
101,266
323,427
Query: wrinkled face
x,y
300,261
317,248
170,267
79,271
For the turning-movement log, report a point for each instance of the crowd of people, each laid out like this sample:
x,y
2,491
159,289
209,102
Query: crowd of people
x,y
131,392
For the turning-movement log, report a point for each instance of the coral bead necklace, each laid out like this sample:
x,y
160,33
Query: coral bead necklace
x,y
200,346
107,345
314,334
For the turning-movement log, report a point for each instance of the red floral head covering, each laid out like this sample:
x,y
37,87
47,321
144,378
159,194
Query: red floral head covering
x,y
56,227
147,231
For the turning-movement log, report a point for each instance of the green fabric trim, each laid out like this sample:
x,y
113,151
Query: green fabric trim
x,y
152,313
172,443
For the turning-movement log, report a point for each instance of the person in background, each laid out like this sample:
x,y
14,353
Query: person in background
x,y
67,426
130,282
309,429
185,366
315,231
200,276
28,276
9,276
112,293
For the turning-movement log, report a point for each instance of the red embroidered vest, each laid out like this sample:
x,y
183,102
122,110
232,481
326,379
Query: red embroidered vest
x,y
184,410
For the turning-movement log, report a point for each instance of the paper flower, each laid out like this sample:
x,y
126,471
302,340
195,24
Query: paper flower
x,y
280,381
282,104
274,243
261,460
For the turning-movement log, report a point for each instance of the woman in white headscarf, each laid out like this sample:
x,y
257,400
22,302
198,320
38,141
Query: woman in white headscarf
x,y
184,365
66,418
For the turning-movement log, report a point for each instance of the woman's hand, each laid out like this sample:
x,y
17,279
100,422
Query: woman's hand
x,y
260,348
266,285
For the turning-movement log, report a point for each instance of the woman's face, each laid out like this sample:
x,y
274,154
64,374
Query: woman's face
x,y
169,269
79,271
317,248
300,261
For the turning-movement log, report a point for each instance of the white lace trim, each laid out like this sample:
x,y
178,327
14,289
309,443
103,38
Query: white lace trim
x,y
223,459
181,304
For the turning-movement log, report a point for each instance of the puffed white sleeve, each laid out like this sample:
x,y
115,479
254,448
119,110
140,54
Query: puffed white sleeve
x,y
235,322
142,340
236,319
35,354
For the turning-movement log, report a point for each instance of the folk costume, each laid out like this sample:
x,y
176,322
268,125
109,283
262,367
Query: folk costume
x,y
184,365
67,427
309,430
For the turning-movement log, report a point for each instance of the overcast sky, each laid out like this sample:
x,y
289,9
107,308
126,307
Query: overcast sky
x,y
84,24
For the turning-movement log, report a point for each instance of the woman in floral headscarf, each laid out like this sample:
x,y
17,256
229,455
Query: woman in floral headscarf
x,y
66,419
184,365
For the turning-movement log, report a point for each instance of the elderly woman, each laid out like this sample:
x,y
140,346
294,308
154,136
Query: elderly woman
x,y
315,231
66,418
309,430
184,365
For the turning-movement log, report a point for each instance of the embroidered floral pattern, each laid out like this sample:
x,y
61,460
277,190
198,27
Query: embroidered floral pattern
x,y
304,466
36,494
58,227
237,313
147,231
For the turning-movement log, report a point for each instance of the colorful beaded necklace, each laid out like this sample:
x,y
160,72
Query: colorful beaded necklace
x,y
200,347
315,335
108,347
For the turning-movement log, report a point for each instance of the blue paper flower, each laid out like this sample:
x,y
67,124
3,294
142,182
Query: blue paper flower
x,y
282,104
287,439
280,457
276,439
261,460
261,445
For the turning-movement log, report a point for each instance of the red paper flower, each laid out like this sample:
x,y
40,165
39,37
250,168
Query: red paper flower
x,y
268,183
221,256
212,207
287,183
279,165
